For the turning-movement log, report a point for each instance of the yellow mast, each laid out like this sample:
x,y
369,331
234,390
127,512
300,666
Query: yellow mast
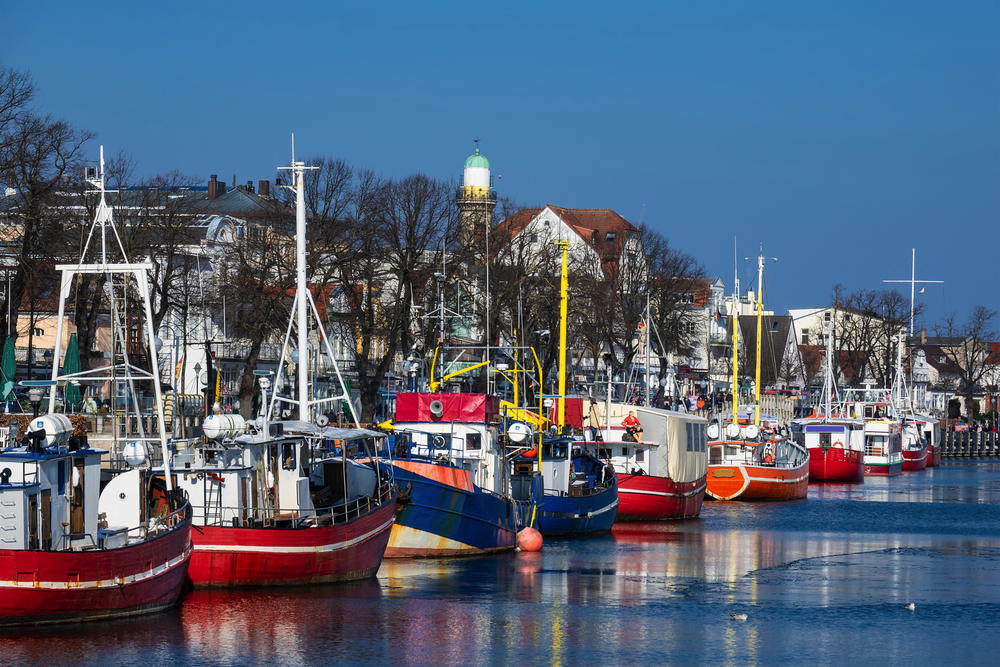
x,y
563,307
760,317
736,361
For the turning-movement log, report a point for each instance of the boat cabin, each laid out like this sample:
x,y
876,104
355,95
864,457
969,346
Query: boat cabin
x,y
49,498
674,444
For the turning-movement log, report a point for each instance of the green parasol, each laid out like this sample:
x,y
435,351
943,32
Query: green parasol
x,y
8,369
71,365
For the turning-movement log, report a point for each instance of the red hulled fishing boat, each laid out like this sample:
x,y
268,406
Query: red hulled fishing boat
x,y
70,551
662,477
288,502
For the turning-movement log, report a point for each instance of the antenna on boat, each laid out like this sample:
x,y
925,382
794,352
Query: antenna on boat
x,y
913,281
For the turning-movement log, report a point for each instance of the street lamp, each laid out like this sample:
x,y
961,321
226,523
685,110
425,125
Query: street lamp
x,y
35,396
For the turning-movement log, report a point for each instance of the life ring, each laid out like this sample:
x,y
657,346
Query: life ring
x,y
768,458
530,454
838,444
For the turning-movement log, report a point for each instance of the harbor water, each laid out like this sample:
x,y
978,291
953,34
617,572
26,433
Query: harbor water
x,y
822,581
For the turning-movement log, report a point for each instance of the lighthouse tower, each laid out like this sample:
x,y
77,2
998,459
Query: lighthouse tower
x,y
476,200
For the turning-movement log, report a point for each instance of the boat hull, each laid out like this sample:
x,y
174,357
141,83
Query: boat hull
x,y
883,469
646,498
933,456
750,482
443,517
915,459
836,464
291,556
579,515
43,587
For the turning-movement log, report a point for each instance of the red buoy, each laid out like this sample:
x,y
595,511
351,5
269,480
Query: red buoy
x,y
529,539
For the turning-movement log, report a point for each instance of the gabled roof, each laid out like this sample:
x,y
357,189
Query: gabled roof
x,y
592,225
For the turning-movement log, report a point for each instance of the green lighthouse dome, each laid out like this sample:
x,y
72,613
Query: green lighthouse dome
x,y
477,159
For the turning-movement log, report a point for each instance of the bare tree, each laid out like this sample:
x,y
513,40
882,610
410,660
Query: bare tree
x,y
969,347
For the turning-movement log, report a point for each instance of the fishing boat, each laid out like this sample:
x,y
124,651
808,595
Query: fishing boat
x,y
288,502
70,551
562,487
835,442
754,461
915,449
450,469
930,429
662,477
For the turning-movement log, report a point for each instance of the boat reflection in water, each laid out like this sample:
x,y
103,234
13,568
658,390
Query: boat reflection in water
x,y
816,573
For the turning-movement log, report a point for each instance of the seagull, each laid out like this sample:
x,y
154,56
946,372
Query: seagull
x,y
911,606
739,617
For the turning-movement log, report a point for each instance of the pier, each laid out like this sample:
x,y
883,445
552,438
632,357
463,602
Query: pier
x,y
969,444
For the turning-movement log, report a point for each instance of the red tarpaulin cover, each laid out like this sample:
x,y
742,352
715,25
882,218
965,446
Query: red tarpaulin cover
x,y
467,408
574,412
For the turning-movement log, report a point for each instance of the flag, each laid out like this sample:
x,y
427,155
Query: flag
x,y
921,290
718,315
177,371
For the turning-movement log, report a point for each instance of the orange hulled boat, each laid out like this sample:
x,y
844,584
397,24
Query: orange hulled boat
x,y
754,461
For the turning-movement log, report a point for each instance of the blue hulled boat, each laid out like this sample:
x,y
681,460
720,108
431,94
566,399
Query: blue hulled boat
x,y
565,491
448,464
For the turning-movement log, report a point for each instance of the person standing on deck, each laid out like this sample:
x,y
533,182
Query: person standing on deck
x,y
594,418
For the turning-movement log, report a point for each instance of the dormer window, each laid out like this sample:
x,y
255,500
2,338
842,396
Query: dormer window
x,y
774,326
609,237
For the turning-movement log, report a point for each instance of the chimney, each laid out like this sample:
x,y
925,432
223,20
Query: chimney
x,y
234,180
213,187
264,188
923,335
249,186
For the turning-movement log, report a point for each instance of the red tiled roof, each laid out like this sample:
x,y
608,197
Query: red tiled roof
x,y
591,224
994,356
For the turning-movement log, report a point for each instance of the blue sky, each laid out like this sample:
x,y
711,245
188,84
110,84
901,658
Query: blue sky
x,y
838,134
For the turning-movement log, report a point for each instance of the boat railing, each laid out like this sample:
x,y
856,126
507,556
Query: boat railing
x,y
276,517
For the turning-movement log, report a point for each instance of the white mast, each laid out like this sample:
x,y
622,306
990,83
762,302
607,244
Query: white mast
x,y
138,272
304,304
913,282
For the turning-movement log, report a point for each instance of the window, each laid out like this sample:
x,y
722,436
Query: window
x,y
604,454
805,336
534,238
774,326
824,439
625,452
288,456
690,437
38,332
609,237
640,455
715,455
474,441
826,317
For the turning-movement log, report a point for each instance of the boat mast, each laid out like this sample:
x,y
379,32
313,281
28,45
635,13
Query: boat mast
x,y
828,381
736,338
301,287
563,307
648,351
760,318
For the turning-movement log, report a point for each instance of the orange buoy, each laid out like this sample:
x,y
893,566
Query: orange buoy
x,y
529,539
